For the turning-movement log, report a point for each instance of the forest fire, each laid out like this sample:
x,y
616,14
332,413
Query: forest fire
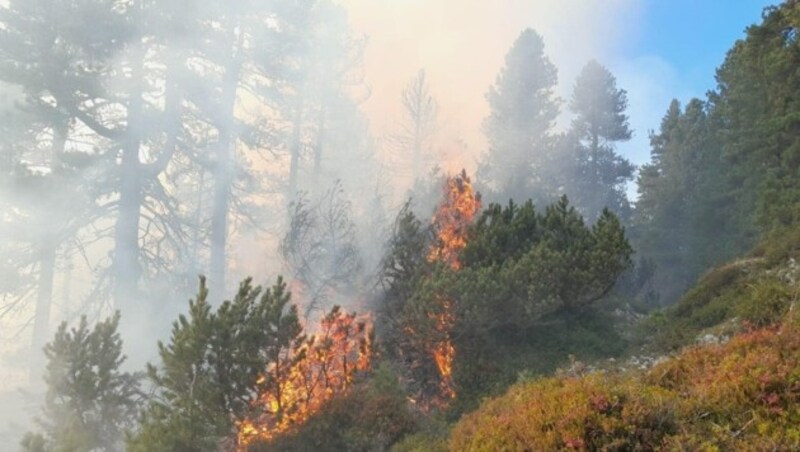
x,y
450,221
443,351
309,376
459,206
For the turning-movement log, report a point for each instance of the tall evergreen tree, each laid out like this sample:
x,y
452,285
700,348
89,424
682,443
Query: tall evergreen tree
x,y
684,217
599,174
56,67
757,105
523,111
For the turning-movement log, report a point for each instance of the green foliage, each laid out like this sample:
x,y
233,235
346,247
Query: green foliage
x,y
518,302
756,99
724,171
710,303
756,289
209,371
402,270
502,358
779,245
537,263
89,402
684,219
421,442
740,396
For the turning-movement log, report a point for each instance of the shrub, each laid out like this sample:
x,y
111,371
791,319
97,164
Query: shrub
x,y
766,302
372,416
744,395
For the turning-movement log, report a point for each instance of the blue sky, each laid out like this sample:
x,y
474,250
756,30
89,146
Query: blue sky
x,y
672,51
693,35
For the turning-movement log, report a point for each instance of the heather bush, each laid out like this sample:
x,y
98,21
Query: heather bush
x,y
743,395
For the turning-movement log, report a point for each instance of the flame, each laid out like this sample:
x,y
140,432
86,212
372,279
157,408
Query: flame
x,y
308,377
459,207
444,352
450,221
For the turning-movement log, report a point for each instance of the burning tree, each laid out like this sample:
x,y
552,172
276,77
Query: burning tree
x,y
478,287
459,206
310,374
247,372
417,322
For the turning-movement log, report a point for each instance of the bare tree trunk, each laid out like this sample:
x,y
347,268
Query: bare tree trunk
x,y
320,141
47,265
224,175
44,295
66,288
126,269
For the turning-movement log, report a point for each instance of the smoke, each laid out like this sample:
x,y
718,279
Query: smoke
x,y
324,120
461,46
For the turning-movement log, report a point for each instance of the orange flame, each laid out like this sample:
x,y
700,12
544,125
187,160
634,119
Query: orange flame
x,y
308,377
458,209
444,352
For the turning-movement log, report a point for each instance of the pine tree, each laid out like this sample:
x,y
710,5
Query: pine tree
x,y
523,111
599,174
53,65
90,403
757,105
209,372
685,216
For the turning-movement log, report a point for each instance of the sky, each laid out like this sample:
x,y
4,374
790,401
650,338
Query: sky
x,y
657,49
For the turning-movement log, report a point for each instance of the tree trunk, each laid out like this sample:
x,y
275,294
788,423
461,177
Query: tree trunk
x,y
320,142
224,175
47,265
44,295
126,269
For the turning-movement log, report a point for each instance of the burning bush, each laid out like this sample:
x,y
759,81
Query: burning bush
x,y
317,369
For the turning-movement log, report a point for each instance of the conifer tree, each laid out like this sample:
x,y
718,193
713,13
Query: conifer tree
x,y
90,402
209,372
685,216
757,106
523,111
599,174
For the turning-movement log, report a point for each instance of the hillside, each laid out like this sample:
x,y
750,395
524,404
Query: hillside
x,y
737,387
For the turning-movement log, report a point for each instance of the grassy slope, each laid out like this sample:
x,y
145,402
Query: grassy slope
x,y
741,395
